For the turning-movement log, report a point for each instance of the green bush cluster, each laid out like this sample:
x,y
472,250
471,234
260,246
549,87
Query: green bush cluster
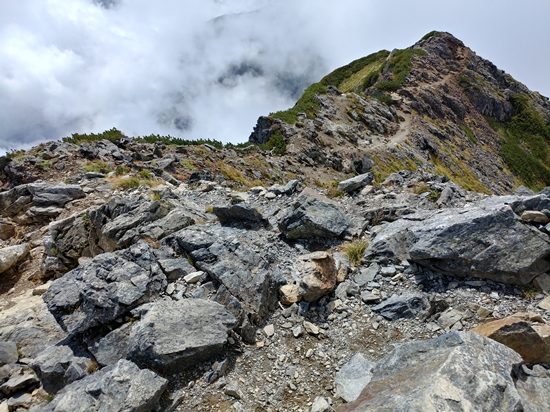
x,y
170,140
469,133
339,75
306,104
526,140
276,143
400,64
430,34
111,135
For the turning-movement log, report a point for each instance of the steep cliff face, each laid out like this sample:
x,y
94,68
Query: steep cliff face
x,y
436,106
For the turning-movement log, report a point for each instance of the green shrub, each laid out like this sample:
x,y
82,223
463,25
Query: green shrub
x,y
430,34
98,167
145,174
306,104
276,143
400,64
44,165
132,182
111,135
122,170
176,141
337,77
355,250
469,133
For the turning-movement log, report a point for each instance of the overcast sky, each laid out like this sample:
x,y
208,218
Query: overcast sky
x,y
209,68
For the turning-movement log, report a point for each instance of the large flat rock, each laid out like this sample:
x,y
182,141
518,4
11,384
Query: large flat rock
x,y
173,335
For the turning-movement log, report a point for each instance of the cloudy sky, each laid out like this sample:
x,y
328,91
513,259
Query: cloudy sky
x,y
209,68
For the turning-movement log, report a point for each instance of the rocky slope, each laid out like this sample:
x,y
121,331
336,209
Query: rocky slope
x,y
144,276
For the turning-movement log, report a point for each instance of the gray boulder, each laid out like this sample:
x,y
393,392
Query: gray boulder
x,y
313,215
533,385
287,189
238,213
173,335
408,305
105,288
11,255
458,371
176,268
239,259
356,183
57,366
46,194
112,347
8,353
478,241
122,387
352,378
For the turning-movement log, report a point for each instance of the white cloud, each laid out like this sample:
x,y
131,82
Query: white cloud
x,y
208,69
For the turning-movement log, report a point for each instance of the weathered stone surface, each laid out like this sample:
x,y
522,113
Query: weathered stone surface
x,y
173,335
478,241
542,283
545,303
104,288
290,294
533,385
176,268
240,212
57,366
239,259
117,388
319,275
535,217
24,380
320,404
7,230
8,353
312,215
11,255
408,305
112,347
457,371
287,189
352,378
516,332
367,274
356,183
30,325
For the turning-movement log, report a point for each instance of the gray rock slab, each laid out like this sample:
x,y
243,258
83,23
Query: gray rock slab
x,y
57,366
352,378
457,371
177,334
8,353
112,347
311,216
11,255
356,183
122,387
176,268
408,305
240,212
104,288
46,194
476,241
367,274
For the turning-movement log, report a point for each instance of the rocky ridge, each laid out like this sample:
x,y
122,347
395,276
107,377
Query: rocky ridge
x,y
141,284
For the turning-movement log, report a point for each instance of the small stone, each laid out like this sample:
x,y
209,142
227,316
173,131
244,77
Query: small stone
x,y
270,195
297,331
535,217
332,306
194,277
8,353
290,294
269,330
311,328
388,271
309,353
40,290
369,297
542,283
232,390
375,325
475,283
320,404
453,285
545,303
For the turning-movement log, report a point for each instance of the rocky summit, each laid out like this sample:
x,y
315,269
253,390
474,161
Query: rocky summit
x,y
384,245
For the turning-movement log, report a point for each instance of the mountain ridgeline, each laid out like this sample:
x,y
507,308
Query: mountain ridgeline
x,y
436,106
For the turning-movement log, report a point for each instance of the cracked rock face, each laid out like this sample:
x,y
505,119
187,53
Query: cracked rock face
x,y
490,243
